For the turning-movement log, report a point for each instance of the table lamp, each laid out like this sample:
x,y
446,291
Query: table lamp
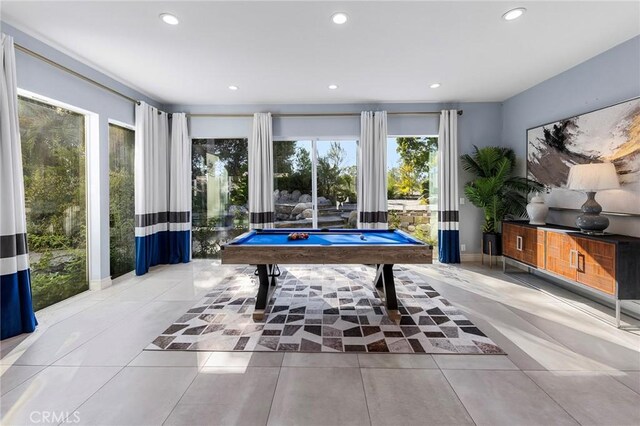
x,y
591,178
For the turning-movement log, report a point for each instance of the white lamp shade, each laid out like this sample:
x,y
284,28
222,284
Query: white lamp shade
x,y
593,177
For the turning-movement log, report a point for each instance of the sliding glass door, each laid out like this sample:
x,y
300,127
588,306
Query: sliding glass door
x,y
122,242
220,193
337,176
53,158
315,183
412,185
293,183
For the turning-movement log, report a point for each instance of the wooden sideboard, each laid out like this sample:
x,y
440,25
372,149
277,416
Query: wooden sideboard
x,y
607,264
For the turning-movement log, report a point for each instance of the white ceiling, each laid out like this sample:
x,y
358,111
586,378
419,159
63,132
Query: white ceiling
x,y
289,52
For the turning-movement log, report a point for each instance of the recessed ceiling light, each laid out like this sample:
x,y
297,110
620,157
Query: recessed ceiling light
x,y
233,87
169,19
512,14
339,18
434,85
333,86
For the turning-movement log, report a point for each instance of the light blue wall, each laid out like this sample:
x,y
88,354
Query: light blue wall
x,y
606,79
603,80
48,81
481,125
310,126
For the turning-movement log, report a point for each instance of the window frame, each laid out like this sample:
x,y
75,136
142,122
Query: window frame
x,y
434,218
116,123
92,166
112,122
314,163
213,138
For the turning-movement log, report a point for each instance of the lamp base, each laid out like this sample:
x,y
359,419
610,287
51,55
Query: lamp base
x,y
590,221
585,232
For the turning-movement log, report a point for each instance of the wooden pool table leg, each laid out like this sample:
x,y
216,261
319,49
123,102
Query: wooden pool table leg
x,y
384,278
267,284
379,281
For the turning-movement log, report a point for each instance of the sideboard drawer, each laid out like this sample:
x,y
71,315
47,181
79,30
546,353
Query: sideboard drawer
x,y
596,264
561,255
510,241
520,243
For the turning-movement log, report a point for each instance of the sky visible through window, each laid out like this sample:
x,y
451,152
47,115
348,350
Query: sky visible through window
x,y
393,159
350,155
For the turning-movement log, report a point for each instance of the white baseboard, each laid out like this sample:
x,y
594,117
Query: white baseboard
x,y
100,284
124,277
470,257
477,257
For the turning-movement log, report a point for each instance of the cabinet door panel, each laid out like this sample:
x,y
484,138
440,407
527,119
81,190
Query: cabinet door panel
x,y
509,233
558,256
596,264
529,245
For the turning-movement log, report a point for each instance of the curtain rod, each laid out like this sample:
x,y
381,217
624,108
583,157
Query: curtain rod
x,y
122,95
72,72
317,114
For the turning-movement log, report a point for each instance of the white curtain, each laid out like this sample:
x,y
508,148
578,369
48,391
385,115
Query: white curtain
x,y
261,206
448,203
180,191
372,170
16,311
151,190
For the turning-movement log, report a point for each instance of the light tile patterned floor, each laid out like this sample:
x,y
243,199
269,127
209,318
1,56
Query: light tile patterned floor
x,y
325,309
87,357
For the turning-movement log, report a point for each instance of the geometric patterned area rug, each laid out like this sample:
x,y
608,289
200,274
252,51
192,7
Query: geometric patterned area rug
x,y
325,309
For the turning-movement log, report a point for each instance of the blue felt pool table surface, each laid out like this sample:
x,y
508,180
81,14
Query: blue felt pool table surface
x,y
328,237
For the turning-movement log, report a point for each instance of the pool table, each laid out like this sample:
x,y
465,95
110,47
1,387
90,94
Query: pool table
x,y
266,248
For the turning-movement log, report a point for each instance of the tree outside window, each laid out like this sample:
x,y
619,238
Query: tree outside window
x,y
412,185
220,182
53,158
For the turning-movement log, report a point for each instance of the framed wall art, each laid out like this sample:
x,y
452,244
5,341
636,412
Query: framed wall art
x,y
610,134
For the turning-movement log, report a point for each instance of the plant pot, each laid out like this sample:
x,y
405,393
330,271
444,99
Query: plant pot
x,y
495,239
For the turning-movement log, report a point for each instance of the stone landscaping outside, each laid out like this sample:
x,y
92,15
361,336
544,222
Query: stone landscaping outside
x,y
295,210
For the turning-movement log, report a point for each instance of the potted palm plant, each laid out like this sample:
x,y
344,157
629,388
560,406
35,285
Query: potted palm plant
x,y
496,190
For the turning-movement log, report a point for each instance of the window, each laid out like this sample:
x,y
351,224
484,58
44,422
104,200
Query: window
x,y
53,157
122,242
219,170
293,175
315,183
412,185
337,177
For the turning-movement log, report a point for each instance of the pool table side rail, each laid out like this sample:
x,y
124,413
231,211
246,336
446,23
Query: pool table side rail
x,y
330,254
241,238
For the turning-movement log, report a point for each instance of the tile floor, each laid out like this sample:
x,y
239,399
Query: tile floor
x,y
86,364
